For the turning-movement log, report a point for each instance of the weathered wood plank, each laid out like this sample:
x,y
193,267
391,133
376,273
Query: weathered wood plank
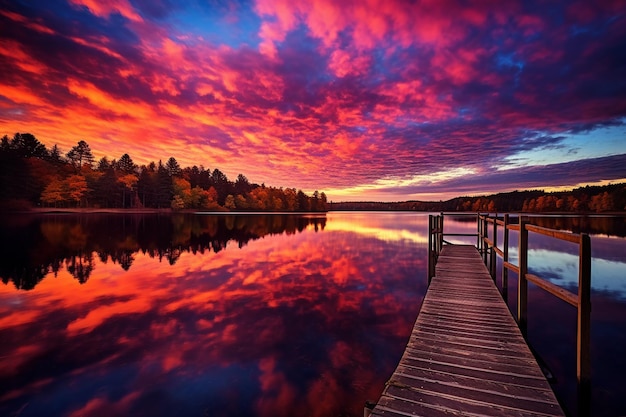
x,y
408,374
466,355
478,353
424,403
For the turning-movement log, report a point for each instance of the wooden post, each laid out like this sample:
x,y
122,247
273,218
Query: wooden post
x,y
486,234
440,233
478,233
522,284
431,261
492,254
583,356
479,238
505,259
481,235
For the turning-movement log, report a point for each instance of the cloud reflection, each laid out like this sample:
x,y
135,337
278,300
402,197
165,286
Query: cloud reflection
x,y
302,324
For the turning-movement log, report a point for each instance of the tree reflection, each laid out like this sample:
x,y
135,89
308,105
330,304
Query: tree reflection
x,y
34,246
80,266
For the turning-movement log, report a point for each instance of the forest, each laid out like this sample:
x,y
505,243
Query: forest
x,y
588,199
33,176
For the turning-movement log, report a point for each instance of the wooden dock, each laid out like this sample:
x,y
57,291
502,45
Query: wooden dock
x,y
466,355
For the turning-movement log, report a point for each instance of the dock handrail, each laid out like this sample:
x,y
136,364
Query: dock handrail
x,y
436,239
489,250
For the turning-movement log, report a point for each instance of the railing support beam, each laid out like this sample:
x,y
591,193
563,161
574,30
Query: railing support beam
x,y
505,259
431,261
492,252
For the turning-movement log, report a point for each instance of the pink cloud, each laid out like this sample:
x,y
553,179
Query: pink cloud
x,y
106,9
102,406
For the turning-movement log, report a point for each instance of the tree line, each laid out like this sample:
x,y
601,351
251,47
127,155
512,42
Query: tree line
x,y
595,199
32,175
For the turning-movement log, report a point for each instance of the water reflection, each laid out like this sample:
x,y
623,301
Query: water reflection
x,y
35,246
285,322
264,315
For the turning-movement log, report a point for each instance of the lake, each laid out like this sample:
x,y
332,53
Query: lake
x,y
259,315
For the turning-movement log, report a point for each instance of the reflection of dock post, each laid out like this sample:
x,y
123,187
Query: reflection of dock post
x,y
583,354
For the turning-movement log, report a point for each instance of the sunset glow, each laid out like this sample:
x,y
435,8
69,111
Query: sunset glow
x,y
364,100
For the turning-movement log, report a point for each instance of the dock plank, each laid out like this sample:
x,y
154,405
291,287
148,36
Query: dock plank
x,y
466,355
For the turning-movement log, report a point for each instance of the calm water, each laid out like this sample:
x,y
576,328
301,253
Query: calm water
x,y
256,315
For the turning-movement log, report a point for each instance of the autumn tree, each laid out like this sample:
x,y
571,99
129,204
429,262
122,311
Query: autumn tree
x,y
241,203
103,164
259,199
126,165
601,202
24,170
291,199
128,183
303,201
212,197
147,185
242,185
182,193
27,146
80,155
107,190
164,185
323,202
221,184
54,192
229,203
54,155
173,168
76,188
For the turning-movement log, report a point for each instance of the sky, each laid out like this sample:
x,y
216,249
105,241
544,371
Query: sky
x,y
385,100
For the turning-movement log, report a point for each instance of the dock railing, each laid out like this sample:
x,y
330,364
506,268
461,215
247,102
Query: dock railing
x,y
436,239
489,250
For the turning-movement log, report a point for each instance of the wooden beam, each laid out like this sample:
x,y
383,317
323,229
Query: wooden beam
x,y
522,284
559,234
554,289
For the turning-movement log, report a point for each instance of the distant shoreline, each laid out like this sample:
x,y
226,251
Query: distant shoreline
x,y
52,210
67,210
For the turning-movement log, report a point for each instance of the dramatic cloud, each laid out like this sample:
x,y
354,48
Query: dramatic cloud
x,y
362,99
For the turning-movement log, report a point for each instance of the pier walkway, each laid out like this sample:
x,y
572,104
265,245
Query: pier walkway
x,y
466,355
